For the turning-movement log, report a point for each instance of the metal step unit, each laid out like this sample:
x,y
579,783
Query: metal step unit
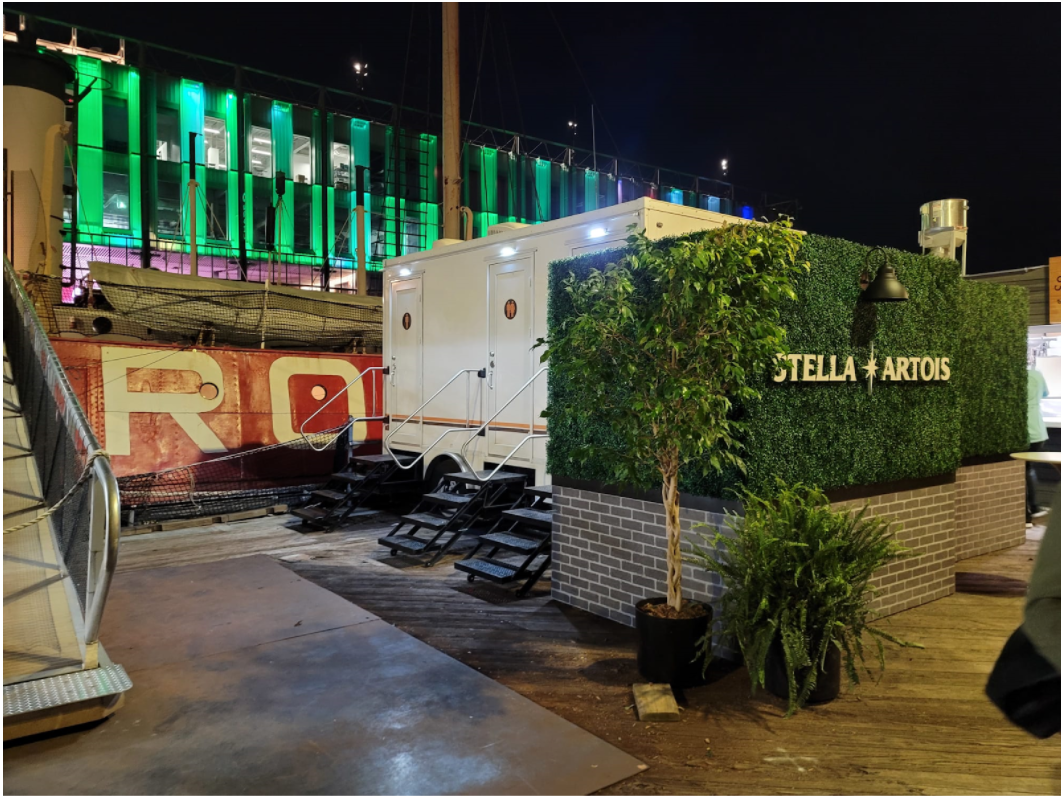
x,y
461,503
348,493
524,530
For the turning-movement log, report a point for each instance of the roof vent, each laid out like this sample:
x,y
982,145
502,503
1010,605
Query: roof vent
x,y
504,227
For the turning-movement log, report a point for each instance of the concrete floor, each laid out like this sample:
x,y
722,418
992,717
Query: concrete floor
x,y
249,680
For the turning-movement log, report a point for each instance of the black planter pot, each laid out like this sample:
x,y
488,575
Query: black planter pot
x,y
667,647
827,687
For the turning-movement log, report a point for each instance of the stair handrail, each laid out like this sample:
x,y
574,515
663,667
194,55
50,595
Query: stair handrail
x,y
498,412
447,384
104,517
524,440
374,417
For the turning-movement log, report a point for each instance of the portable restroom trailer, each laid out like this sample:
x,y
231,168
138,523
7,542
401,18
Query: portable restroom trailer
x,y
461,321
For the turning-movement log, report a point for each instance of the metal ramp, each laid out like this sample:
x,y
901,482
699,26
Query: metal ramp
x,y
523,535
60,539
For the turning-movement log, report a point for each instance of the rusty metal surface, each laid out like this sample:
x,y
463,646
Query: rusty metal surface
x,y
360,709
166,615
245,398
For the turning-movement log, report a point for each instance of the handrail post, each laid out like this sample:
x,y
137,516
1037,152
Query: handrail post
x,y
498,412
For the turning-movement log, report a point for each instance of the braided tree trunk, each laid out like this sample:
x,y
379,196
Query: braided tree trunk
x,y
674,537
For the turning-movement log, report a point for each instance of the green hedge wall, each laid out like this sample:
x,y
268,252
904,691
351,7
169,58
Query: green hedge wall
x,y
992,376
837,434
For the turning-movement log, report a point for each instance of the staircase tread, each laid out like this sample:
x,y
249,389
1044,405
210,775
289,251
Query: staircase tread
x,y
481,476
452,498
309,513
512,542
376,459
542,491
404,543
491,569
349,476
530,514
426,520
331,495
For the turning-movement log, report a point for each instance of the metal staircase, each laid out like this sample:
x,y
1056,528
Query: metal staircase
x,y
347,494
456,506
60,539
523,535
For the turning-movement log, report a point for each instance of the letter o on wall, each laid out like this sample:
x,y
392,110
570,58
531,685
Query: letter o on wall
x,y
927,373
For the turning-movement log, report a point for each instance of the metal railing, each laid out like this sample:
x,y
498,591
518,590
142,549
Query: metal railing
x,y
352,421
78,487
483,427
468,416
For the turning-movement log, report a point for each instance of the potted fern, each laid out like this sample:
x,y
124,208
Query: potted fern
x,y
797,578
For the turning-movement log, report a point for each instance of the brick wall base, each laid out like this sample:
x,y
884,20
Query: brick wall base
x,y
989,508
609,552
923,521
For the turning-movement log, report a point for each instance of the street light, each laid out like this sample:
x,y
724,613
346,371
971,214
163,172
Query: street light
x,y
361,71
725,166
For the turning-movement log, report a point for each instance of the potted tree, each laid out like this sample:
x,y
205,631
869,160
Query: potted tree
x,y
797,579
661,344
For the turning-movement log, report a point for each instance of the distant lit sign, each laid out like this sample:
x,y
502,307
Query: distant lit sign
x,y
1054,302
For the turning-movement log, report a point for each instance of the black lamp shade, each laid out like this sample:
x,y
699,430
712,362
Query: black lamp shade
x,y
886,287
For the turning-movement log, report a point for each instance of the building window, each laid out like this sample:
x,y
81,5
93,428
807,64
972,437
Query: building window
x,y
302,159
261,154
115,125
217,213
264,215
341,166
343,224
303,220
216,143
168,136
116,200
168,221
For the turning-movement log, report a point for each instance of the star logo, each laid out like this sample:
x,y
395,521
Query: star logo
x,y
871,368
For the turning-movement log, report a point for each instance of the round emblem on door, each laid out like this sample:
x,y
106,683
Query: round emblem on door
x,y
510,309
407,321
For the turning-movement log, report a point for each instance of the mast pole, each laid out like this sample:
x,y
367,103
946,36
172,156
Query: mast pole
x,y
451,131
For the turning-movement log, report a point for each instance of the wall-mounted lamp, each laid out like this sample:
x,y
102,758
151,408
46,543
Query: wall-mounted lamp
x,y
885,287
507,251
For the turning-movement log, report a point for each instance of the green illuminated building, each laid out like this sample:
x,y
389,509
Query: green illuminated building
x,y
129,169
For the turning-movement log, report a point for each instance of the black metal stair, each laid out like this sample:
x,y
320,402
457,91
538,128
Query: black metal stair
x,y
526,532
461,503
348,493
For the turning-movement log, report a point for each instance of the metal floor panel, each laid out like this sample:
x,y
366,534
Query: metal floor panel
x,y
70,688
359,709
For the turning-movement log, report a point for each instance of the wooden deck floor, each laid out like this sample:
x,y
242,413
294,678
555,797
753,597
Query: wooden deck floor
x,y
925,728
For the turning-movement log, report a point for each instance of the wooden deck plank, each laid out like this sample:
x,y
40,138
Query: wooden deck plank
x,y
924,728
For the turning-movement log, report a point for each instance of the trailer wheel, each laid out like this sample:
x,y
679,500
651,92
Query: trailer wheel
x,y
471,577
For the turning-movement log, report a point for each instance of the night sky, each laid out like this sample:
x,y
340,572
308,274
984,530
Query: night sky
x,y
860,112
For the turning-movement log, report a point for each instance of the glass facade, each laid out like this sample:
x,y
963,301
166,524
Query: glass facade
x,y
275,182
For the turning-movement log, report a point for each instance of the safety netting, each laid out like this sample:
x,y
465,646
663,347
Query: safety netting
x,y
262,477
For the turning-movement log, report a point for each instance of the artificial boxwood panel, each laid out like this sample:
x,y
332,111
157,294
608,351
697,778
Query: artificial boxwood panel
x,y
839,434
992,377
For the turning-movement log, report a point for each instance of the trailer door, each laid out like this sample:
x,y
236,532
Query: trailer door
x,y
405,382
510,312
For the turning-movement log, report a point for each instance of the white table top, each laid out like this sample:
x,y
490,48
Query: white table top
x,y
1055,458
